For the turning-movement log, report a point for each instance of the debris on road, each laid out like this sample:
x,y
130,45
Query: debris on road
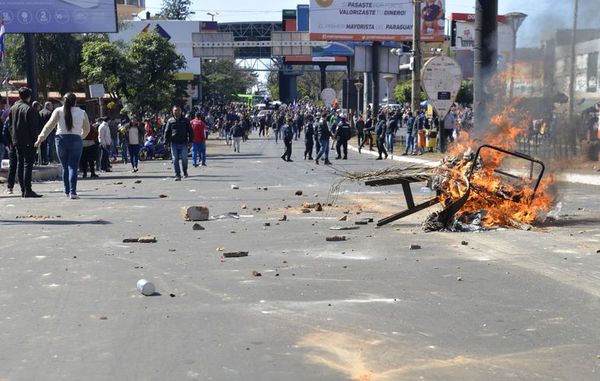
x,y
145,239
299,193
319,207
198,227
137,182
283,218
233,186
336,238
305,211
195,213
361,222
459,279
344,228
146,287
267,224
256,273
244,206
233,215
465,243
343,218
414,247
235,254
162,196
31,216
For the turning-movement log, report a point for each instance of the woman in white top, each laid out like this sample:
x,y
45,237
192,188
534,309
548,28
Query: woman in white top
x,y
73,125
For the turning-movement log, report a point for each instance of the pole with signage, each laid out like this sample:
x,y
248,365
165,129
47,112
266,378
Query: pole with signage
x,y
416,70
441,81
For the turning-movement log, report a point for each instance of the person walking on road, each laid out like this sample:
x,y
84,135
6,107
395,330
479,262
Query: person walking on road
x,y
238,134
288,136
23,131
309,135
105,145
380,136
342,135
134,133
73,124
179,134
324,135
199,142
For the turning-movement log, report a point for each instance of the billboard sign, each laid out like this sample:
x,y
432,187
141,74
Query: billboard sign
x,y
60,16
392,20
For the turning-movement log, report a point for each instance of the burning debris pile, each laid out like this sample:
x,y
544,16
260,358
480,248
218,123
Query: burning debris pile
x,y
488,188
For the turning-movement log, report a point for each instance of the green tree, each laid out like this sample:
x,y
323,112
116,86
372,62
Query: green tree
x,y
465,94
403,92
153,62
273,84
176,9
223,79
58,58
104,62
309,83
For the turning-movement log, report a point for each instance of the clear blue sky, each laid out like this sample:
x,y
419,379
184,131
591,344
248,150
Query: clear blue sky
x,y
544,15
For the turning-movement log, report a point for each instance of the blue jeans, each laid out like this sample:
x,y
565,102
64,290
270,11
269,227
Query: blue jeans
x,y
410,143
324,151
69,148
199,149
134,152
389,142
179,152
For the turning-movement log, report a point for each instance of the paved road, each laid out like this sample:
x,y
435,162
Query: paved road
x,y
526,306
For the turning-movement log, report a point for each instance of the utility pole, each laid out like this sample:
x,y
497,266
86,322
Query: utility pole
x,y
375,66
573,62
486,57
31,64
416,72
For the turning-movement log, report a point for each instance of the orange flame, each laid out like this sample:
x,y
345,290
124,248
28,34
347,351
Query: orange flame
x,y
503,203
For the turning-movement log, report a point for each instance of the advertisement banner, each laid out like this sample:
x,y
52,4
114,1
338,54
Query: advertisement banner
x,y
59,16
387,20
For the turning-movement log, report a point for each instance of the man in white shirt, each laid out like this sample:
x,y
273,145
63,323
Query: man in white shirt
x,y
105,144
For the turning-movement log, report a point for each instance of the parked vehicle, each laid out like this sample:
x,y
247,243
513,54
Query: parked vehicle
x,y
154,149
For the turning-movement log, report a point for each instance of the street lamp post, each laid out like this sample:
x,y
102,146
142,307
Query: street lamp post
x,y
515,20
213,14
359,86
388,79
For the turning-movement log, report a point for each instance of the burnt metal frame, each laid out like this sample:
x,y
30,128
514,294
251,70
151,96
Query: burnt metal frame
x,y
446,214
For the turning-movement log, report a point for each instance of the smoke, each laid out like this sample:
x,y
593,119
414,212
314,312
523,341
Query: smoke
x,y
547,16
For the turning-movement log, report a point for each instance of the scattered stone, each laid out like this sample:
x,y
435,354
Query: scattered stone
x,y
235,254
162,196
172,295
346,211
118,183
465,243
336,238
220,249
147,239
361,222
308,205
344,228
343,218
316,195
319,207
234,186
103,318
265,188
283,218
414,247
598,251
137,182
298,193
459,279
256,273
305,211
172,250
197,227
371,220
267,224
195,213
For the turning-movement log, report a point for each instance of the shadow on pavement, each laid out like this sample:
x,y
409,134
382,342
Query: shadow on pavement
x,y
53,222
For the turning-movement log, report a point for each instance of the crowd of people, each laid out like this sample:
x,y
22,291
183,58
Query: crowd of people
x,y
36,133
